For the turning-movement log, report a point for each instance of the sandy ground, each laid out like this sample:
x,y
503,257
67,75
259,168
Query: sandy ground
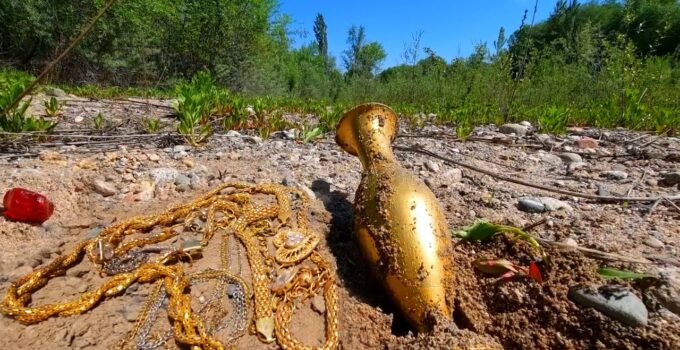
x,y
519,313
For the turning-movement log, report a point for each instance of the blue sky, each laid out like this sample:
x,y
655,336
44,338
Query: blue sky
x,y
451,28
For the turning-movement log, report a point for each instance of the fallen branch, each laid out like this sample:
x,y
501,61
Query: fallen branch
x,y
594,253
589,252
534,185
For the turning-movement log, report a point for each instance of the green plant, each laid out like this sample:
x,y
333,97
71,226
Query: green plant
x,y
463,129
311,134
99,121
482,230
152,125
196,102
17,118
553,119
52,107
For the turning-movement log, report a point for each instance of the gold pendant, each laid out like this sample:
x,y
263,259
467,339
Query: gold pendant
x,y
399,223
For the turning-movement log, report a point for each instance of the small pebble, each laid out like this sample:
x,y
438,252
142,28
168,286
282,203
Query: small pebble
x,y
570,242
517,129
615,174
318,304
454,175
432,166
653,242
104,188
569,158
530,205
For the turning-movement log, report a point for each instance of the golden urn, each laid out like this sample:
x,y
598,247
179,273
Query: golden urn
x,y
399,223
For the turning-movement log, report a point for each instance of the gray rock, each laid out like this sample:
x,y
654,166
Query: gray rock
x,y
288,181
614,301
552,204
284,134
195,181
104,188
530,205
55,92
233,133
318,304
615,174
544,139
653,242
569,158
182,182
432,166
670,179
516,129
256,140
525,124
454,175
551,158
163,175
179,149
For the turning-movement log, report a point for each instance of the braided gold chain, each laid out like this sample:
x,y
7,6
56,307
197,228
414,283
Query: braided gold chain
x,y
229,208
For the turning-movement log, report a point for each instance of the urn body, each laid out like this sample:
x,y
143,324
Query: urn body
x,y
399,224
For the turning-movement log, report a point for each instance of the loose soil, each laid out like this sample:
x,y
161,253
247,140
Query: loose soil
x,y
490,314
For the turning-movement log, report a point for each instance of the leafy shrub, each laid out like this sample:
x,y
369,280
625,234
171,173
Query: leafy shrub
x,y
195,105
16,119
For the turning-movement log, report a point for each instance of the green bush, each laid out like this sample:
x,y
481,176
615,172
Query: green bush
x,y
17,119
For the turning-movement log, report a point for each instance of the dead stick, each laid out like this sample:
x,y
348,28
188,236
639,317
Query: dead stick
x,y
651,210
672,204
594,253
533,185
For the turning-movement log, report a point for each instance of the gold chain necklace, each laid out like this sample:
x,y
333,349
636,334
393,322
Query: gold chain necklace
x,y
295,272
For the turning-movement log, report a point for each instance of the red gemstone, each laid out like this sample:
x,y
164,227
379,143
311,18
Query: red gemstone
x,y
28,206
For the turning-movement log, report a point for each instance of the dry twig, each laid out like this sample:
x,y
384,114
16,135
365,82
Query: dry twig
x,y
534,185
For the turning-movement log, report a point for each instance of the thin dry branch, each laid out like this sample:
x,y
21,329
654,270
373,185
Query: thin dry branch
x,y
534,185
594,253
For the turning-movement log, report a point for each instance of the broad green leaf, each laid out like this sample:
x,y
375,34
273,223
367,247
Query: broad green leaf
x,y
479,231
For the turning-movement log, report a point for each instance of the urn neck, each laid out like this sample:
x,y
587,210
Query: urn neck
x,y
367,132
374,149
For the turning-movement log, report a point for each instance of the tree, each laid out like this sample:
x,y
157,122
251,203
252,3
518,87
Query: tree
x,y
322,38
361,58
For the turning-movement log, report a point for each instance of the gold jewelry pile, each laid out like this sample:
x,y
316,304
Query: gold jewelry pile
x,y
293,274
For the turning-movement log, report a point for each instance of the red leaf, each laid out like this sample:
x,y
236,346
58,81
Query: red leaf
x,y
535,272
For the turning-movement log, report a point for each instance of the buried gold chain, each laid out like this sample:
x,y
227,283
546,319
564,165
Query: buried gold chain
x,y
295,273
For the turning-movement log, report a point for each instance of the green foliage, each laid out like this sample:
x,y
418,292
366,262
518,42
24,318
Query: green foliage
x,y
98,121
554,120
322,39
138,41
482,230
17,119
196,102
361,58
52,107
152,125
602,64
